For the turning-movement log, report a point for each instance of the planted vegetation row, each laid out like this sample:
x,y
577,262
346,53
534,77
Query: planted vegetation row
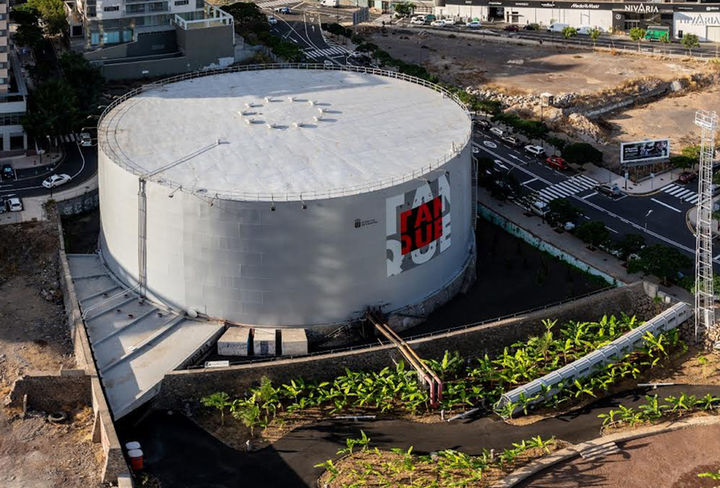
x,y
478,382
654,409
446,468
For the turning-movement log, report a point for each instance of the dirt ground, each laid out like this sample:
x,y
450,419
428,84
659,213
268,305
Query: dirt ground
x,y
34,336
665,460
670,117
519,69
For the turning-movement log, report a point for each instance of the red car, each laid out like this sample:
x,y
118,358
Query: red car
x,y
512,28
556,162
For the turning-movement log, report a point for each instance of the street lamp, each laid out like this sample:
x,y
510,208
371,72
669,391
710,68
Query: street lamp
x,y
646,217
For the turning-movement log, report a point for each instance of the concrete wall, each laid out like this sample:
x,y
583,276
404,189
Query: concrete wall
x,y
79,204
207,47
62,391
115,468
179,387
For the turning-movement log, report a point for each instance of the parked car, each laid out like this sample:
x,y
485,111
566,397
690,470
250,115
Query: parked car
x,y
439,23
687,176
534,150
55,180
474,24
512,28
540,208
272,20
611,191
14,204
418,20
556,162
510,140
497,131
85,139
283,10
483,123
7,172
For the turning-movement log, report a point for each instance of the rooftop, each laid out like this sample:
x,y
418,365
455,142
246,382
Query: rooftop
x,y
285,133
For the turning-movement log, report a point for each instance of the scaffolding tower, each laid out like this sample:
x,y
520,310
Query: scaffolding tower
x,y
705,330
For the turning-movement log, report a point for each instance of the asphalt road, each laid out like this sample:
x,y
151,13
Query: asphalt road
x,y
182,455
79,162
660,217
303,28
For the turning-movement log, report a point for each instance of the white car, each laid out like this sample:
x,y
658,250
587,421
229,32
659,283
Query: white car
x,y
439,23
85,139
534,150
473,24
55,180
418,20
272,20
14,204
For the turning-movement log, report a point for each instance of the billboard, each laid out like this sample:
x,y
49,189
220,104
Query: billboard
x,y
417,225
637,153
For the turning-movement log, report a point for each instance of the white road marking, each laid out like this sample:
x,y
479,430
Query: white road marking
x,y
590,195
666,205
529,181
611,229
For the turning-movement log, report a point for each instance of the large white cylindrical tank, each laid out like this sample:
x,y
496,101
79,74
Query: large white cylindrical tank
x,y
287,197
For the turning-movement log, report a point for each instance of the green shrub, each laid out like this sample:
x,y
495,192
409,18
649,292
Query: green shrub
x,y
581,153
556,141
531,128
337,29
682,161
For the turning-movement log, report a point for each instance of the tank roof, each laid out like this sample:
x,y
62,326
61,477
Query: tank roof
x,y
285,133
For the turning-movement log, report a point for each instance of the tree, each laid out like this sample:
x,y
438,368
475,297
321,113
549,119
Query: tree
x,y
28,35
53,13
690,42
595,35
569,32
593,232
630,244
662,261
85,80
219,400
404,9
665,39
561,211
682,161
52,110
637,34
581,153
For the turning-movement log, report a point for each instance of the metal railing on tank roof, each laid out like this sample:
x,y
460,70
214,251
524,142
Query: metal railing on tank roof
x,y
113,150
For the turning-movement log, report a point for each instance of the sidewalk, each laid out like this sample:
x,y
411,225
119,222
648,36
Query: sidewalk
x,y
568,243
649,185
31,166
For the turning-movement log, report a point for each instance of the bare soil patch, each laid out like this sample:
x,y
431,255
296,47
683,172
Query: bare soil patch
x,y
521,69
673,459
34,336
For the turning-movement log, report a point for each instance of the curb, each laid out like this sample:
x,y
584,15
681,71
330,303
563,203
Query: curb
x,y
571,452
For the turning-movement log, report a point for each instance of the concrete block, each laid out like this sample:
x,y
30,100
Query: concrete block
x,y
294,342
234,342
264,342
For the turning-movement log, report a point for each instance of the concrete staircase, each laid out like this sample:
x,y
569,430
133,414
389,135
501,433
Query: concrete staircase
x,y
134,342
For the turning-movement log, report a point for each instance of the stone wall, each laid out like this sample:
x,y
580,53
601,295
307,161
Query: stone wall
x,y
179,387
64,391
79,204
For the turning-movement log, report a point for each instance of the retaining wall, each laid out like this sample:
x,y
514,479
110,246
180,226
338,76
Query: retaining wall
x,y
66,390
78,204
180,387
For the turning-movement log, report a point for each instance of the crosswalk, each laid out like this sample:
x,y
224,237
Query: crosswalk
x,y
682,193
330,52
274,3
67,138
569,187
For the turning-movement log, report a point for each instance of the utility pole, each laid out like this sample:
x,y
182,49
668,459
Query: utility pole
x,y
705,330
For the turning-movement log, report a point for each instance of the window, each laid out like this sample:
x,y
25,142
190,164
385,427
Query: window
x,y
181,2
111,9
199,4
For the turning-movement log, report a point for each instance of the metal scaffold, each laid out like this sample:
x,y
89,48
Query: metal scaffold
x,y
705,329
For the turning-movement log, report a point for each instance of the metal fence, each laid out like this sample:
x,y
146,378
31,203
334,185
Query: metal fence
x,y
110,116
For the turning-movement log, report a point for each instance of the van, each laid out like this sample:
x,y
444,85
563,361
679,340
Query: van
x,y
556,27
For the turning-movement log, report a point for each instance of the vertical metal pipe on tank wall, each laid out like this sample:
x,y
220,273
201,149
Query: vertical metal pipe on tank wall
x,y
142,236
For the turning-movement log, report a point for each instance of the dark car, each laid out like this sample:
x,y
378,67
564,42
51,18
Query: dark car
x,y
512,28
7,172
611,191
687,176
